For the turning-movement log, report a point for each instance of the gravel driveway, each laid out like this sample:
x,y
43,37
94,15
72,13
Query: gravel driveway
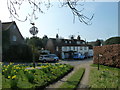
x,y
76,62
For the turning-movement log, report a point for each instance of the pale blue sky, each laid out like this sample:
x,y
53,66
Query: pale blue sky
x,y
104,24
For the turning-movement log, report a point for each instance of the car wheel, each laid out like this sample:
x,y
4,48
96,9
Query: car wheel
x,y
54,60
44,61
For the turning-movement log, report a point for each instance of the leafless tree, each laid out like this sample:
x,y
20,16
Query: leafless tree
x,y
36,6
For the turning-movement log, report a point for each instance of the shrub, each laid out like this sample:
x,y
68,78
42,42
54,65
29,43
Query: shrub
x,y
17,53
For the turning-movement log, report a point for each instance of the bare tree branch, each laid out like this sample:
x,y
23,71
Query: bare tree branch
x,y
36,6
81,17
13,11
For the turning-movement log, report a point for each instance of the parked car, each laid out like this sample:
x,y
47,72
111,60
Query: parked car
x,y
78,56
49,57
90,55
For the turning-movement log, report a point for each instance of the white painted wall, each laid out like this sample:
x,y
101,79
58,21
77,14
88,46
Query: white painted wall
x,y
90,52
81,49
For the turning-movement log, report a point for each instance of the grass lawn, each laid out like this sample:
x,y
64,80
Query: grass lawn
x,y
106,77
74,80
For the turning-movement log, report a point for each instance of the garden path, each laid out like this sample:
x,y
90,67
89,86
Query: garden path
x,y
84,82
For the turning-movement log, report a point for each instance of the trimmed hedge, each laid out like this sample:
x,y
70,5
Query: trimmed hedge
x,y
17,53
110,55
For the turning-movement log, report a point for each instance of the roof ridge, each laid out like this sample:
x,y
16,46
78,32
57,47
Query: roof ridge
x,y
67,39
8,26
7,22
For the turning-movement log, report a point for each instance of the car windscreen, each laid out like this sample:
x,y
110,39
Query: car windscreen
x,y
46,56
53,55
75,54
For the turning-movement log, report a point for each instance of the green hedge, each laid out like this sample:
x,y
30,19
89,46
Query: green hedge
x,y
17,53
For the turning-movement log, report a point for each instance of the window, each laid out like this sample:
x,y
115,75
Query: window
x,y
14,38
78,42
86,48
76,48
83,43
47,56
68,48
70,42
72,48
63,48
80,48
57,48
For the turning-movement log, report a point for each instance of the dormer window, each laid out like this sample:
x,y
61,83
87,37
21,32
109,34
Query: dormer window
x,y
14,38
83,42
65,41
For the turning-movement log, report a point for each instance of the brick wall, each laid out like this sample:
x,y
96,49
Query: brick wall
x,y
109,55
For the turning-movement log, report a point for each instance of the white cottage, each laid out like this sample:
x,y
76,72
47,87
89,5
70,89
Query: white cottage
x,y
65,48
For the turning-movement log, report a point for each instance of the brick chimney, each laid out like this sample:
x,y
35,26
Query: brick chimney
x,y
57,36
78,38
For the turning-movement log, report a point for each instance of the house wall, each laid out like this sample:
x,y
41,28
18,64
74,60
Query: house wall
x,y
81,49
50,46
65,48
108,55
90,52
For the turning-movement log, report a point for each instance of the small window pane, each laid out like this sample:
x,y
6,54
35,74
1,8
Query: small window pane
x,y
14,38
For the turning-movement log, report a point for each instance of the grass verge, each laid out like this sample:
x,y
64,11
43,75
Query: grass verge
x,y
106,77
74,80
